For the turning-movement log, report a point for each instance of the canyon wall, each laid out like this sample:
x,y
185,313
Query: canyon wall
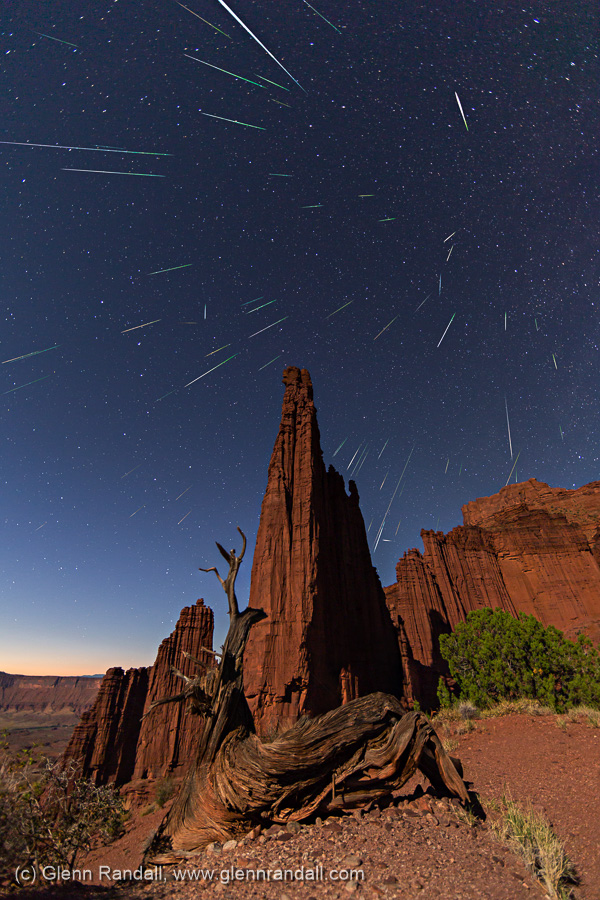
x,y
529,548
113,743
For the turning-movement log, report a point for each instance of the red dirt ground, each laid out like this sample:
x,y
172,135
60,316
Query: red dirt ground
x,y
417,849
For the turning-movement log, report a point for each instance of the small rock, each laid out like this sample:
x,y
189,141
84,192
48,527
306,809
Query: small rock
x,y
351,861
274,829
412,813
262,839
284,836
230,845
294,828
333,828
351,887
252,835
390,879
284,897
213,848
318,820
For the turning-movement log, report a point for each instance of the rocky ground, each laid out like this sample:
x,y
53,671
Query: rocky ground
x,y
419,847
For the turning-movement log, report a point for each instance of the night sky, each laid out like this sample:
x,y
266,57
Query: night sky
x,y
315,238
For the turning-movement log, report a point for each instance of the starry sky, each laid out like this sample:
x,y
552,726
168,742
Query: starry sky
x,y
439,280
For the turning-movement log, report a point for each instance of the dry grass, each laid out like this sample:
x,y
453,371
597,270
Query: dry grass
x,y
590,715
508,707
530,835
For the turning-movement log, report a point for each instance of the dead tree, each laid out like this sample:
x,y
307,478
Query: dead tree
x,y
353,755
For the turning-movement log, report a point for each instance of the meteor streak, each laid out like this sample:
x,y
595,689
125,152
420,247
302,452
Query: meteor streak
x,y
27,385
105,172
235,121
58,39
185,517
212,352
424,301
27,355
183,492
386,327
233,75
262,305
513,468
461,110
447,327
92,149
508,426
269,363
383,448
172,269
340,447
211,370
268,326
322,17
203,20
130,471
260,43
449,236
339,309
141,326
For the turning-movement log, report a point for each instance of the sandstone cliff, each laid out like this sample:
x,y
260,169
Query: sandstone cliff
x,y
47,693
328,636
112,742
529,548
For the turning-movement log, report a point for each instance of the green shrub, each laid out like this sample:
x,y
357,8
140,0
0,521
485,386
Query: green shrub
x,y
165,789
494,656
49,815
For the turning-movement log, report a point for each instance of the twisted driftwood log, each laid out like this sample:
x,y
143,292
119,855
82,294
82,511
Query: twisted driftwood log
x,y
346,758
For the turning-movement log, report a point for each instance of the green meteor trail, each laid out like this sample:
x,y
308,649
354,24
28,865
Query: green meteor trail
x,y
339,309
27,355
388,220
211,370
269,363
280,175
554,358
340,447
172,269
91,149
35,381
56,39
235,121
274,82
233,75
253,301
314,206
322,17
248,311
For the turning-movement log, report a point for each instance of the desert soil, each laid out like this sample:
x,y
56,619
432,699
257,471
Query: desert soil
x,y
419,847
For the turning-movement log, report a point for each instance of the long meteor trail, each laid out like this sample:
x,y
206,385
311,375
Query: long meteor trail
x,y
235,121
508,426
268,326
105,172
172,269
211,370
27,355
92,149
154,321
447,327
233,75
203,20
260,43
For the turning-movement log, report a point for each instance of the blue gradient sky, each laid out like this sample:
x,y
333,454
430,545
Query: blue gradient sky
x,y
99,550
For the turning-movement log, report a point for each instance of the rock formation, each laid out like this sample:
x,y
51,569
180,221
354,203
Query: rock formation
x,y
112,742
530,549
328,637
47,693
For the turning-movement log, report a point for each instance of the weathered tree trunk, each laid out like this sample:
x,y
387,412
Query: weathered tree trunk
x,y
357,753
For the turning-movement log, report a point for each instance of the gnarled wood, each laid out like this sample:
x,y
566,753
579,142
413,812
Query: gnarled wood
x,y
357,753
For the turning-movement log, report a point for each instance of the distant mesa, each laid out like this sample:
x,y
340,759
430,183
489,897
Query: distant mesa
x,y
332,633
